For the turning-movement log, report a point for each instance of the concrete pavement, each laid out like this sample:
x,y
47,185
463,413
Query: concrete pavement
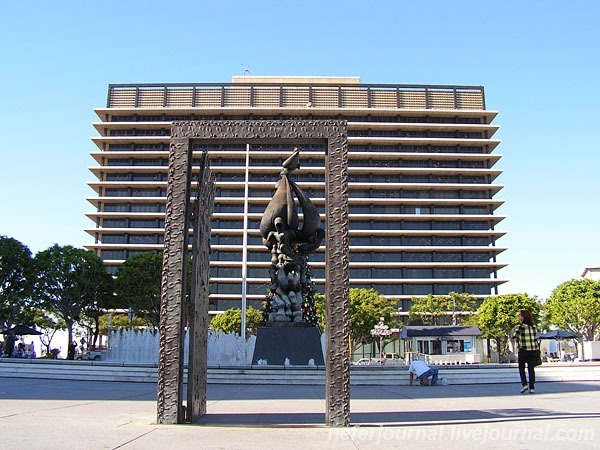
x,y
62,414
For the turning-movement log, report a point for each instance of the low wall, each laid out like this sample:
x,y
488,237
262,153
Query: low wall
x,y
261,374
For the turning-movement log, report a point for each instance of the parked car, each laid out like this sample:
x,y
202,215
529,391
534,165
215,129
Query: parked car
x,y
393,358
93,355
367,362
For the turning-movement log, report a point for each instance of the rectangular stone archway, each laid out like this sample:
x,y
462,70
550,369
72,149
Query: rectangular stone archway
x,y
172,321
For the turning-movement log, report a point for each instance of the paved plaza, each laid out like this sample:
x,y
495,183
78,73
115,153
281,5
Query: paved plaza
x,y
59,414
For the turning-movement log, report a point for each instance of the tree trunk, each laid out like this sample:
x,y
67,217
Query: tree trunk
x,y
71,347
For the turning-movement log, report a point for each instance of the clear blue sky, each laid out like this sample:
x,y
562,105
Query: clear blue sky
x,y
538,61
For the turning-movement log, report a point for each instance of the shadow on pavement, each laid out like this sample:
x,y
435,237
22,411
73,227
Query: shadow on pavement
x,y
391,418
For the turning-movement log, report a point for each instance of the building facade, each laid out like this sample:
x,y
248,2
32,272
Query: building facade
x,y
421,180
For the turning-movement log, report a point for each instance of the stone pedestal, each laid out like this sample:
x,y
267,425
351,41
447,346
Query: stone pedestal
x,y
297,342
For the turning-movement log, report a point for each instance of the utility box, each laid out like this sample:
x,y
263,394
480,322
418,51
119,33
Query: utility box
x,y
591,350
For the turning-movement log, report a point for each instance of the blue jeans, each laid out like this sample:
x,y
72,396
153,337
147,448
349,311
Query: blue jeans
x,y
433,373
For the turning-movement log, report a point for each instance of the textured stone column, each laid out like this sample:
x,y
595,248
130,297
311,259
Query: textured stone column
x,y
337,389
198,308
171,326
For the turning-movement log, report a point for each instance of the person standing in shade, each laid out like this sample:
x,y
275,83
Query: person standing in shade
x,y
528,348
423,372
9,345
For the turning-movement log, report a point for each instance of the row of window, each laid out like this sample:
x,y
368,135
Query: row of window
x,y
141,132
368,118
148,239
133,223
313,193
404,224
143,162
382,209
237,240
135,207
370,273
387,257
353,148
136,177
371,193
135,192
451,134
428,148
396,257
304,176
383,289
413,241
426,134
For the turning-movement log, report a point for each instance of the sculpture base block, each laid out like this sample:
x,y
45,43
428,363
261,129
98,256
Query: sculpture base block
x,y
299,344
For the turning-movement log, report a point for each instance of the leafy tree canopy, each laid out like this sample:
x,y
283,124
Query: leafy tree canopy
x,y
442,309
575,306
137,285
365,309
16,279
69,280
230,321
113,321
499,315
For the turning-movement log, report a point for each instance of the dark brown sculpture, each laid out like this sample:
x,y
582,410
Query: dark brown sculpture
x,y
289,244
170,368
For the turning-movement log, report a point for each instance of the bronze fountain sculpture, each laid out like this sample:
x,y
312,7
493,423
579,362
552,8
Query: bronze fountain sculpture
x,y
290,245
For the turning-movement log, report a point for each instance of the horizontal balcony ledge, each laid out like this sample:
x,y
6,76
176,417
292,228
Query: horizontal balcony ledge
x,y
427,186
145,200
426,249
123,199
106,155
128,184
145,247
428,265
422,156
146,125
423,202
420,126
126,214
394,248
128,231
352,124
300,110
412,217
491,143
432,171
133,169
409,281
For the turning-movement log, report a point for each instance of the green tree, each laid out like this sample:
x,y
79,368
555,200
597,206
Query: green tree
x,y
320,310
16,279
105,300
112,321
366,307
428,309
49,326
69,280
137,285
463,307
230,321
499,315
443,309
575,306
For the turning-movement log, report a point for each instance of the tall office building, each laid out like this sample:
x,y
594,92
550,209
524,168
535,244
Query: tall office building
x,y
421,181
